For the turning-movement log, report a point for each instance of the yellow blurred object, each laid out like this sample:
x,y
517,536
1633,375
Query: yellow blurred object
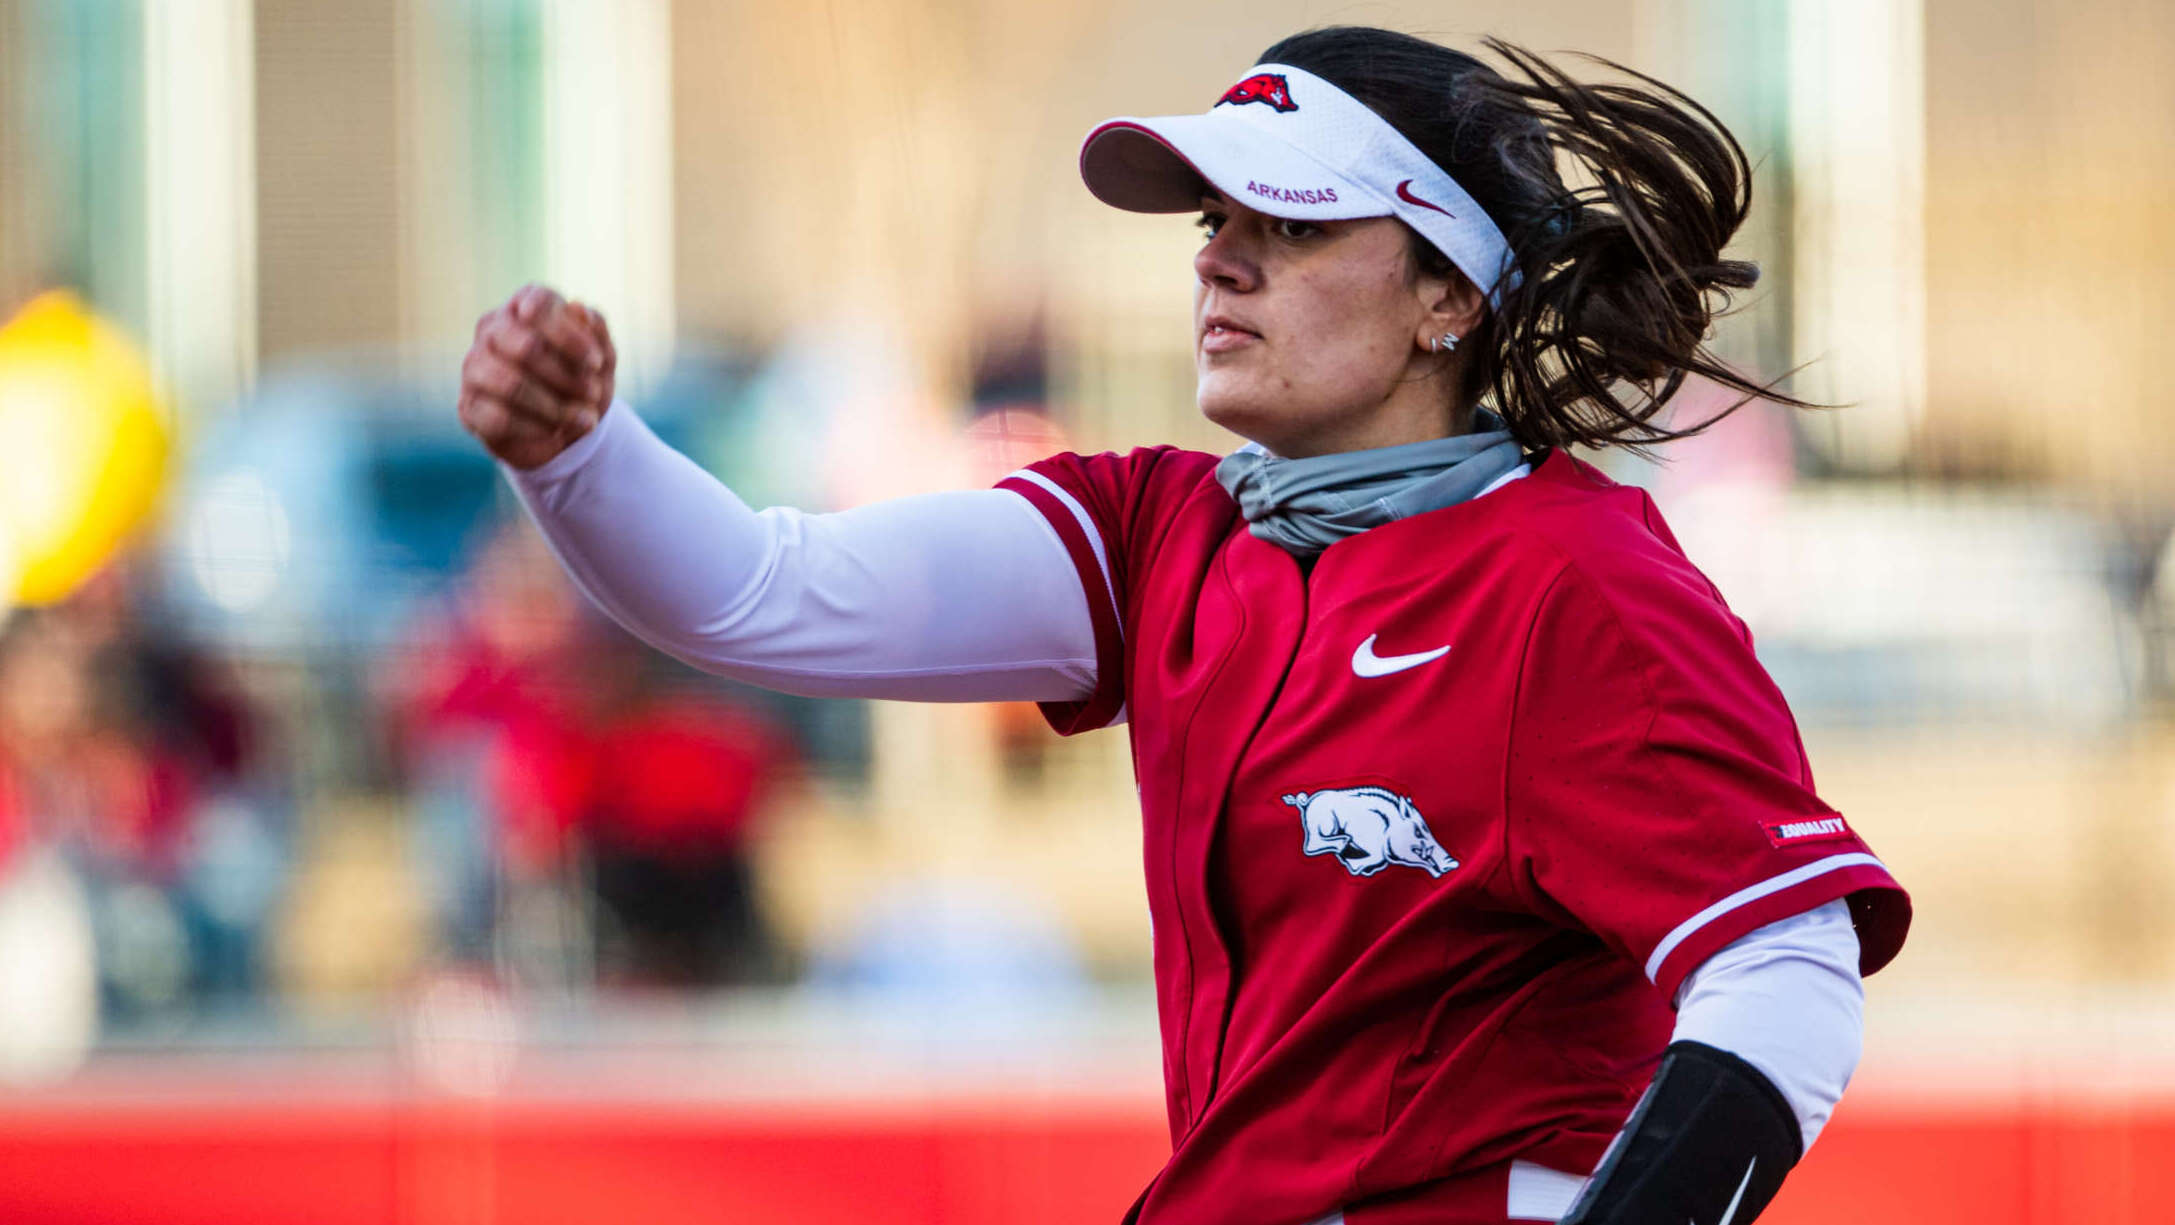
x,y
83,446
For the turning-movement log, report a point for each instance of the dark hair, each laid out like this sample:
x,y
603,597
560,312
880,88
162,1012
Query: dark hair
x,y
1622,276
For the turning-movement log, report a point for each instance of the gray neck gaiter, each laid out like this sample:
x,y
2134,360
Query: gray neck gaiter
x,y
1306,505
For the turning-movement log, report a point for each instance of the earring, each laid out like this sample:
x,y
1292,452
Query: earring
x,y
1445,343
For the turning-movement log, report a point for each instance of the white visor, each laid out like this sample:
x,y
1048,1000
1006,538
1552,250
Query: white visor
x,y
1288,143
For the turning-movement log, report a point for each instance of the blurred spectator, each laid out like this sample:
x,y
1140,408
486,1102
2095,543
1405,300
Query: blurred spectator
x,y
48,979
48,970
138,761
497,664
678,784
227,846
558,781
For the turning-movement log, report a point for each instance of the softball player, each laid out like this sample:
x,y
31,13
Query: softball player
x,y
1487,874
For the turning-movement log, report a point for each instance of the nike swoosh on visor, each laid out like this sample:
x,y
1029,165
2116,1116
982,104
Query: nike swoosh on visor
x,y
1404,192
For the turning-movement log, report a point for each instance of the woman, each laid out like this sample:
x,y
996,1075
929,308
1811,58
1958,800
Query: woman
x,y
1475,835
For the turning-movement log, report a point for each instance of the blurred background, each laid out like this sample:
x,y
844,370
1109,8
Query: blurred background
x,y
353,869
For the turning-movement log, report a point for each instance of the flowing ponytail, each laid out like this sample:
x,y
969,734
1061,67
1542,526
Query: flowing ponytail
x,y
1623,273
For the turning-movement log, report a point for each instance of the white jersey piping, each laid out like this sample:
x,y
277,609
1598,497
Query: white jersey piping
x,y
1087,525
1745,897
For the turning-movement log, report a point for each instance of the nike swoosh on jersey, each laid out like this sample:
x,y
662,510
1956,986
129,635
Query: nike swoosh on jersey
x,y
1366,663
1730,1213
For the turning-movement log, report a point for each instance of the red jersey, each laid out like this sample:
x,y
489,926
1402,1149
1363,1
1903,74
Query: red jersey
x,y
1433,830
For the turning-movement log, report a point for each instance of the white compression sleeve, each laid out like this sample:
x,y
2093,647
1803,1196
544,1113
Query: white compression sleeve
x,y
953,597
1785,998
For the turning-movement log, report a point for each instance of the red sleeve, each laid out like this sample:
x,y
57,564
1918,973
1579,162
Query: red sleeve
x,y
1106,509
1657,792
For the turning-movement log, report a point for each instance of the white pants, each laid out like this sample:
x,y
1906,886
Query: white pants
x,y
1537,1193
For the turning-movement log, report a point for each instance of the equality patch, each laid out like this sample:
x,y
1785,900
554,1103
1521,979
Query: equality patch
x,y
1811,829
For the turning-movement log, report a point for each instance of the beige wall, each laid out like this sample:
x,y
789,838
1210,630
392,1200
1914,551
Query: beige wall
x,y
328,176
914,163
2050,187
910,163
18,238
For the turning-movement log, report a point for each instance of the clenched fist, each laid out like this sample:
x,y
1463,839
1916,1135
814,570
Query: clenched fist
x,y
538,377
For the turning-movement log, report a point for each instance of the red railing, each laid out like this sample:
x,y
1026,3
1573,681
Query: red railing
x,y
446,1162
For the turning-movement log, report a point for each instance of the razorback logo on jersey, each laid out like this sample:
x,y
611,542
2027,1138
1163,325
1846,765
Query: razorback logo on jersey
x,y
1811,829
1368,829
1265,87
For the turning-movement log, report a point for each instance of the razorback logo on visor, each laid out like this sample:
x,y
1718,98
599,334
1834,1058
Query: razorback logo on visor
x,y
1268,87
1811,829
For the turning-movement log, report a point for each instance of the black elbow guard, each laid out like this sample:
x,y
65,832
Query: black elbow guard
x,y
1708,1145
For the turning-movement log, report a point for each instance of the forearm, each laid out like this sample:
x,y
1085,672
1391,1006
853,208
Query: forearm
x,y
964,596
1768,1032
1787,1000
